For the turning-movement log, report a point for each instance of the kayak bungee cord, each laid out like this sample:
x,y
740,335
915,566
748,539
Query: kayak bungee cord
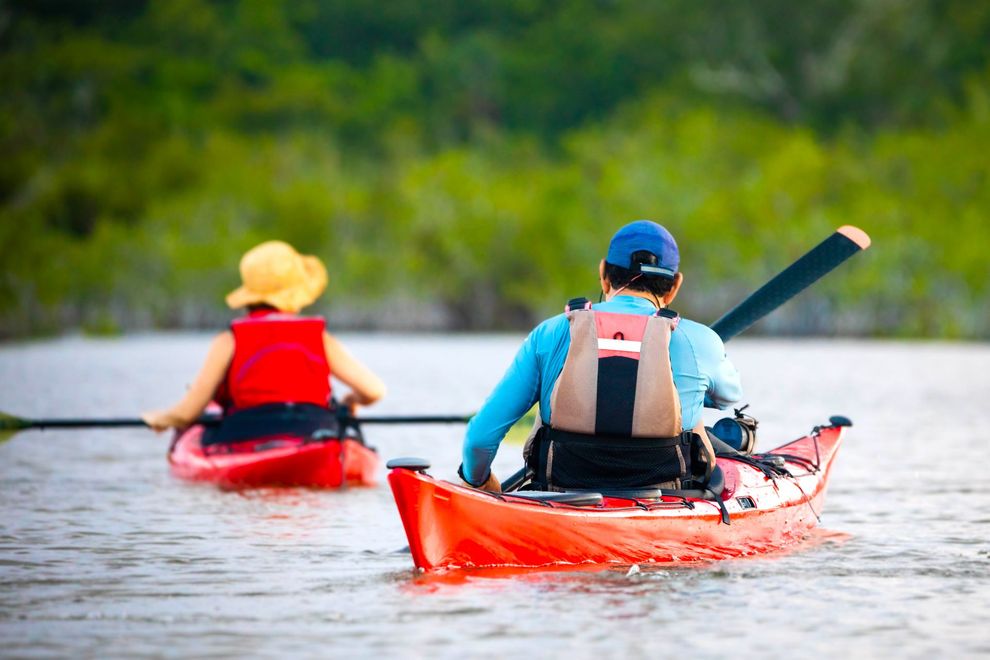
x,y
807,500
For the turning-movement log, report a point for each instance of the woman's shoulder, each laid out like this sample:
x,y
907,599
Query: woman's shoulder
x,y
223,340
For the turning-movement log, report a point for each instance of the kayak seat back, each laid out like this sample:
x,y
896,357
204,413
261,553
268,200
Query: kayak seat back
x,y
709,491
714,489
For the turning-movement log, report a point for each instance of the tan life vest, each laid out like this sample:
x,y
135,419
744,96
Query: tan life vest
x,y
617,378
615,413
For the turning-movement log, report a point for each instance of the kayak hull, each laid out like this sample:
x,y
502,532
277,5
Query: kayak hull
x,y
279,461
452,526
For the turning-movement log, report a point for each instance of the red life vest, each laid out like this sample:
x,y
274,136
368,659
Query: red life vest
x,y
278,358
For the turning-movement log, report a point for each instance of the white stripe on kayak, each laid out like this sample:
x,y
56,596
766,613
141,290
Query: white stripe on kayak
x,y
623,345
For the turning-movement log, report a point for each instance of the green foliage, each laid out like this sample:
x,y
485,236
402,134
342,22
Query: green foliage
x,y
477,156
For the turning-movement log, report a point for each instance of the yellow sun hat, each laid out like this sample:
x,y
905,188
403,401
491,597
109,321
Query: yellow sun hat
x,y
273,273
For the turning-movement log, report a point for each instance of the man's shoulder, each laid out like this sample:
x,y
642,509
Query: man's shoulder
x,y
550,326
698,332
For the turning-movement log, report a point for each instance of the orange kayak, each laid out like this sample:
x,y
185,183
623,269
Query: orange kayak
x,y
274,461
768,501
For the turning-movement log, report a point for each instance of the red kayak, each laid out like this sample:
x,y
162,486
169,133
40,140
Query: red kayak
x,y
768,501
274,461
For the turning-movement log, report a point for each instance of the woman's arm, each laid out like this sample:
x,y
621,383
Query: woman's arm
x,y
201,392
366,387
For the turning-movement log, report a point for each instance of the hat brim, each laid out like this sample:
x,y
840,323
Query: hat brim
x,y
290,299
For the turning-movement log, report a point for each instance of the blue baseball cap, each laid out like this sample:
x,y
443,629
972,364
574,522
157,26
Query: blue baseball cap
x,y
648,236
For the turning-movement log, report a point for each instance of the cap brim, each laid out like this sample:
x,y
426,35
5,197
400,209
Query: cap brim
x,y
242,297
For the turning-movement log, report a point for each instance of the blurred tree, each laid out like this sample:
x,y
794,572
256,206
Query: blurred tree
x,y
145,145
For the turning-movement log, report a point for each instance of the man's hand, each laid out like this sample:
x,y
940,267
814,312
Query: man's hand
x,y
492,484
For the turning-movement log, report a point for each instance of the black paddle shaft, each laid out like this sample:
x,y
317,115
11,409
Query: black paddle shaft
x,y
818,262
16,423
82,423
10,423
411,419
515,480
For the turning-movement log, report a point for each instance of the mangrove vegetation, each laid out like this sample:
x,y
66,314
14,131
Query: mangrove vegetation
x,y
461,165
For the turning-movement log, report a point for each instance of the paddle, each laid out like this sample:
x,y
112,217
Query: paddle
x,y
815,264
12,423
412,419
809,268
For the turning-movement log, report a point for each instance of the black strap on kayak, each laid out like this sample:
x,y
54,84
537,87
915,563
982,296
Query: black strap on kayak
x,y
710,490
767,463
725,450
724,510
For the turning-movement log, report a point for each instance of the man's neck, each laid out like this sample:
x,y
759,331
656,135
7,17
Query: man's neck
x,y
649,297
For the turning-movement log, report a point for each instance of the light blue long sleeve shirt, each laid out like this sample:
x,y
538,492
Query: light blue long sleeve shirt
x,y
703,375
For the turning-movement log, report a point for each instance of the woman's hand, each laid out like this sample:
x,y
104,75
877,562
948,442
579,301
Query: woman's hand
x,y
366,387
162,420
201,392
351,402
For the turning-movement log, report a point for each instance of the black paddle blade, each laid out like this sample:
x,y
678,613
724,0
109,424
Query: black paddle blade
x,y
822,259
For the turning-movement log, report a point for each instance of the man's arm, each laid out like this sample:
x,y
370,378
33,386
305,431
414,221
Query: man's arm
x,y
514,395
725,386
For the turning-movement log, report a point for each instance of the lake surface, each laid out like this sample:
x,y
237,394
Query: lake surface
x,y
104,553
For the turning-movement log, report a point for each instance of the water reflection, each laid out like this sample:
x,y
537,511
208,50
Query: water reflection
x,y
598,578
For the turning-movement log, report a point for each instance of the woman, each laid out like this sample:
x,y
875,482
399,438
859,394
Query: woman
x,y
273,360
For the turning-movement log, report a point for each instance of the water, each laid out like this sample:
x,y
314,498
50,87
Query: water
x,y
103,553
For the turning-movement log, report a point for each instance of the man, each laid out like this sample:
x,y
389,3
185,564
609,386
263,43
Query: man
x,y
621,384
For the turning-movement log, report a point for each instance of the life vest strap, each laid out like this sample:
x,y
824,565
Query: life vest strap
x,y
575,304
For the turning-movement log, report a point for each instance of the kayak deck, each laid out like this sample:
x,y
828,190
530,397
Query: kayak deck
x,y
450,526
274,461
